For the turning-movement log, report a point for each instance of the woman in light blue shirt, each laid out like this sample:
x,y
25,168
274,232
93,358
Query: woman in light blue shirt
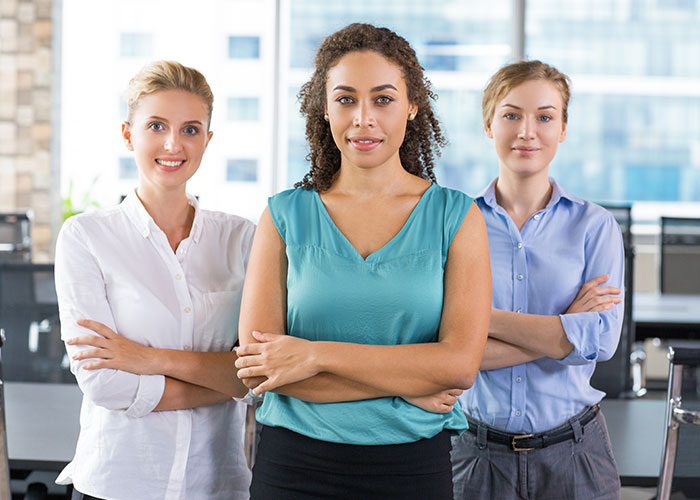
x,y
557,265
371,287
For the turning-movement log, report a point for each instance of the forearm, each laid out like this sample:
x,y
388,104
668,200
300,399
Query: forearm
x,y
179,395
402,370
213,370
499,354
543,335
330,388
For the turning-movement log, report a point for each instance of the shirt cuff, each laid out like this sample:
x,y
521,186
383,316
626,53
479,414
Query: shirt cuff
x,y
148,395
583,331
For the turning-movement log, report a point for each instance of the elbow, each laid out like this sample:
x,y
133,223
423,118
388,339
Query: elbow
x,y
96,387
464,379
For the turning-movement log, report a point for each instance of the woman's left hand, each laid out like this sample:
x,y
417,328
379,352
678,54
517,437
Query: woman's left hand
x,y
283,359
112,350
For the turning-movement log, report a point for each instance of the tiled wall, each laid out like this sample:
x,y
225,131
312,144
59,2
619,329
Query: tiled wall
x,y
25,115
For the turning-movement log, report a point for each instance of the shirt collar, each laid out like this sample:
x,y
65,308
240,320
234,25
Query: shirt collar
x,y
145,223
488,194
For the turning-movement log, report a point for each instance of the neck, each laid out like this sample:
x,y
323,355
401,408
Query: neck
x,y
522,196
370,182
169,209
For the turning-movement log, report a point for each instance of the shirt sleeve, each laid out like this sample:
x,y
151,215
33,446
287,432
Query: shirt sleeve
x,y
81,292
595,335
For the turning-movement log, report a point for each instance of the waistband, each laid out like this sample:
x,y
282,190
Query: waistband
x,y
527,442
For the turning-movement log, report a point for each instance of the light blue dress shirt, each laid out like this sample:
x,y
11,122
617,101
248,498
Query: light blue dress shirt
x,y
540,270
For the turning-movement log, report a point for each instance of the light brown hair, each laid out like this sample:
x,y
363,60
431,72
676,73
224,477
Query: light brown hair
x,y
510,76
167,75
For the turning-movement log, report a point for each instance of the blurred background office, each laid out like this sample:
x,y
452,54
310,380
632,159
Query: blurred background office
x,y
634,140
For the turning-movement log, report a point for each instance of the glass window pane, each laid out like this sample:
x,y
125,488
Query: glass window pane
x,y
136,45
243,108
245,170
635,67
244,47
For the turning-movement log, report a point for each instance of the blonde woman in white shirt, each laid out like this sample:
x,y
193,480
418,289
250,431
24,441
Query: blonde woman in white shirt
x,y
158,420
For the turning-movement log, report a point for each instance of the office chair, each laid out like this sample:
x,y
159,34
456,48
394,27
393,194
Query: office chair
x,y
34,351
614,376
4,457
680,255
679,465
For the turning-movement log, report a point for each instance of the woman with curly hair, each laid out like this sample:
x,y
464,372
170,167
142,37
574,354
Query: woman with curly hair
x,y
366,302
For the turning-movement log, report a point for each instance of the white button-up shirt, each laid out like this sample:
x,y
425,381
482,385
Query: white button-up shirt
x,y
116,266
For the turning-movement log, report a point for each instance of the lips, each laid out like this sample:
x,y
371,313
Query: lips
x,y
364,143
169,165
525,150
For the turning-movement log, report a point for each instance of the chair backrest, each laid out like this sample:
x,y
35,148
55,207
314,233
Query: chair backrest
x,y
680,255
34,351
4,456
679,465
15,237
614,376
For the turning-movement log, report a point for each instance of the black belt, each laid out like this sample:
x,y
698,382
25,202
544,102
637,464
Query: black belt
x,y
526,442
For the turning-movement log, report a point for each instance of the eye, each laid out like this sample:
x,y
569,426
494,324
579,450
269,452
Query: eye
x,y
191,130
384,100
156,126
545,118
510,116
345,100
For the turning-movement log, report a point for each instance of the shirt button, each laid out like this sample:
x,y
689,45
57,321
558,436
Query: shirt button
x,y
187,309
518,310
517,413
520,245
537,217
178,276
518,379
520,277
187,348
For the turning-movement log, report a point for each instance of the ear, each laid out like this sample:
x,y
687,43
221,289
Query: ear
x,y
562,136
489,132
209,136
412,111
126,135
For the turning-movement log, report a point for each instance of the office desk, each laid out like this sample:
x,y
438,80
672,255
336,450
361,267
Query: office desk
x,y
667,316
636,428
43,422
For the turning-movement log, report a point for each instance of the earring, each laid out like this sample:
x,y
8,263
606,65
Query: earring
x,y
325,116
411,116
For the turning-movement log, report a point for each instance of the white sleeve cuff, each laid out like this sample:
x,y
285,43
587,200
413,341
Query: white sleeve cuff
x,y
148,395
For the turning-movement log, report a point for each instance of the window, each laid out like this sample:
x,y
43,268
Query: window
x,y
128,169
136,45
242,170
243,108
244,47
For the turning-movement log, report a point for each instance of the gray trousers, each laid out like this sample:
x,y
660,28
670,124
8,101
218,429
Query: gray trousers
x,y
569,470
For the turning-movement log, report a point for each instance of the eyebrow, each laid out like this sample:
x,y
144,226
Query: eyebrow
x,y
160,118
378,88
518,107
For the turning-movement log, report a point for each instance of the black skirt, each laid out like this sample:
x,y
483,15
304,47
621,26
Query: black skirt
x,y
290,466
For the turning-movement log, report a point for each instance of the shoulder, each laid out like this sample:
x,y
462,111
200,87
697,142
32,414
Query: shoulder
x,y
225,220
94,221
451,196
291,197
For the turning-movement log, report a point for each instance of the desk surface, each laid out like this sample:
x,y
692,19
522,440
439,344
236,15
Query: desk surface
x,y
657,308
636,428
43,422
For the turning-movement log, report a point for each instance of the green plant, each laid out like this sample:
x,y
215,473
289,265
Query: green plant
x,y
70,206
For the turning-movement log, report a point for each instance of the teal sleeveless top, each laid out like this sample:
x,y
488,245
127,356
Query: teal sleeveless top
x,y
394,296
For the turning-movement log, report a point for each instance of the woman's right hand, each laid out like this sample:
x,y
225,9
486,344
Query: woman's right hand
x,y
440,402
595,298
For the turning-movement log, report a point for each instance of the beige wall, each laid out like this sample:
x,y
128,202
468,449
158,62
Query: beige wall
x,y
25,115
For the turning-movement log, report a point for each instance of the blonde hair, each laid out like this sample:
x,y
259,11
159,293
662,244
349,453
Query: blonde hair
x,y
508,77
167,75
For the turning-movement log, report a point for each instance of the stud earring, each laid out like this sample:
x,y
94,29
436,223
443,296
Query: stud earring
x,y
411,116
325,116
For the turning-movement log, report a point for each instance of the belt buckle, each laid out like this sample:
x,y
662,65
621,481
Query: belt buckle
x,y
514,439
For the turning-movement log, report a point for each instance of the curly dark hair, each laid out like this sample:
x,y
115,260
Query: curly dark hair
x,y
423,138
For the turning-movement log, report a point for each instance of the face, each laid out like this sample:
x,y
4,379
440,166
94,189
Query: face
x,y
168,134
527,127
367,106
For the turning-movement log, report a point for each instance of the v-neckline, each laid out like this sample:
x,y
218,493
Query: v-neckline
x,y
381,249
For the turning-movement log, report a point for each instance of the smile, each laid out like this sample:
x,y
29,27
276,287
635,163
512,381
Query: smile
x,y
526,151
365,143
170,164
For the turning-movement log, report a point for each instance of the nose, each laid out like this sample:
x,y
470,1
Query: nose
x,y
172,142
364,117
527,129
